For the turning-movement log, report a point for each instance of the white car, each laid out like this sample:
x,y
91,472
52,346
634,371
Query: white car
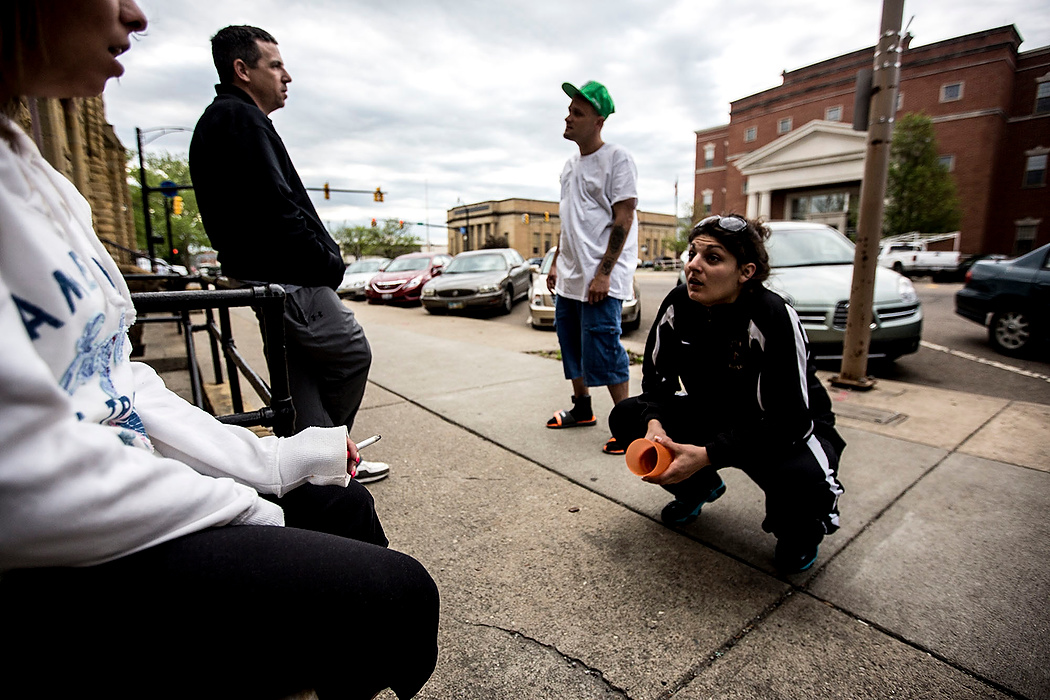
x,y
541,301
357,276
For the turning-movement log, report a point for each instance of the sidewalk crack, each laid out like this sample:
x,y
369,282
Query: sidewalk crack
x,y
571,660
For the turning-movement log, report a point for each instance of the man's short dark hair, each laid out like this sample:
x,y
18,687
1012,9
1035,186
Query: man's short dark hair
x,y
236,42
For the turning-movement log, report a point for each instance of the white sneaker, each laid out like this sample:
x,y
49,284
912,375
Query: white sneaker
x,y
368,472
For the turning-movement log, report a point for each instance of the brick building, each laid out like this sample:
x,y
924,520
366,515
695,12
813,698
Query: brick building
x,y
790,152
74,137
532,227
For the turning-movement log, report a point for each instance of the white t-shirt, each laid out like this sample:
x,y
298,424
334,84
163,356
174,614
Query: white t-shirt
x,y
590,185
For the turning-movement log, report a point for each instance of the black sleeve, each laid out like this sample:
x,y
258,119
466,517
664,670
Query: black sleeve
x,y
660,378
779,347
277,203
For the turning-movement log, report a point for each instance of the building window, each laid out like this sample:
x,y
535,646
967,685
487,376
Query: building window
x,y
900,101
1025,238
784,125
803,207
833,114
951,92
1035,171
750,134
707,201
947,162
1042,97
709,155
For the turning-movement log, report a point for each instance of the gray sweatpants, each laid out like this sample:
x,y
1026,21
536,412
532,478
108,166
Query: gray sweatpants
x,y
328,358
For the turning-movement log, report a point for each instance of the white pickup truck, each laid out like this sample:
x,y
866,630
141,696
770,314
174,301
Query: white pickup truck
x,y
913,258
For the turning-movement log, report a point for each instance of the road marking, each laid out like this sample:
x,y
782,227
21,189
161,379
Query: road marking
x,y
983,361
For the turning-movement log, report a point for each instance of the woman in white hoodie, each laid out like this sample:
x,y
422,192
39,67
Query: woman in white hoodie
x,y
134,543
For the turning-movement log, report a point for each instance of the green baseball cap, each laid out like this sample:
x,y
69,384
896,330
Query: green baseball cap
x,y
593,92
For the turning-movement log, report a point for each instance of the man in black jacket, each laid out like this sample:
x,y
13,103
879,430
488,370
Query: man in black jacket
x,y
262,223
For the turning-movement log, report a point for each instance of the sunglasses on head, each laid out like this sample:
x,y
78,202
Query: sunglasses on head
x,y
732,223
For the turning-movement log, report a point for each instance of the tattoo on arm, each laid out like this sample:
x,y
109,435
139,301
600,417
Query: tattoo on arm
x,y
617,238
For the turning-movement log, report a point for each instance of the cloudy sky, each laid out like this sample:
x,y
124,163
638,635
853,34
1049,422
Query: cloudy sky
x,y
443,100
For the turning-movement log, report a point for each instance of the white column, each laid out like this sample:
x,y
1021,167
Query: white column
x,y
752,205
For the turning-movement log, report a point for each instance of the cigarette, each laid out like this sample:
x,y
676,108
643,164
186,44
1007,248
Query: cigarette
x,y
368,441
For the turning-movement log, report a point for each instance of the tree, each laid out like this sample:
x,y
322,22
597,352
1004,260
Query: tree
x,y
389,241
187,230
920,190
680,241
494,241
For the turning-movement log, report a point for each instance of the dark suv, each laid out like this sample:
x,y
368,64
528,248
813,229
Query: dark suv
x,y
1011,298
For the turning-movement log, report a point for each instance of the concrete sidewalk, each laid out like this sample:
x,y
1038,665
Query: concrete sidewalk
x,y
559,582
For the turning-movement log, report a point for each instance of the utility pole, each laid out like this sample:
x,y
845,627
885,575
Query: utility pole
x,y
885,82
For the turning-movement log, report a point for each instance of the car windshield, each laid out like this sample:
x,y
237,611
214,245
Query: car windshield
x,y
476,263
811,246
365,266
547,260
408,264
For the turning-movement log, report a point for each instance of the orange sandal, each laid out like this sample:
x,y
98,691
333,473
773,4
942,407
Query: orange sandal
x,y
565,419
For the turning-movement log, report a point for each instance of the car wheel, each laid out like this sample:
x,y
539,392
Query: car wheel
x,y
507,300
898,268
1010,332
435,310
634,325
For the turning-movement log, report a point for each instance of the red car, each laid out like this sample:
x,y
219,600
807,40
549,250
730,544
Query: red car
x,y
403,279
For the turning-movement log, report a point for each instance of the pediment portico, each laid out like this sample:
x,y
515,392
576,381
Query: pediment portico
x,y
820,154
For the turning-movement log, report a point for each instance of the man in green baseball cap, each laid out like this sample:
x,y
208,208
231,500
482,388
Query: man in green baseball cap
x,y
592,272
595,93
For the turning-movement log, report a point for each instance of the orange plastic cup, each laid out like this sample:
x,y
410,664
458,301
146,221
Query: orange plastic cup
x,y
647,458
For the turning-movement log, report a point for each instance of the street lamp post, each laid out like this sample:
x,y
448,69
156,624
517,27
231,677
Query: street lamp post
x,y
466,227
146,189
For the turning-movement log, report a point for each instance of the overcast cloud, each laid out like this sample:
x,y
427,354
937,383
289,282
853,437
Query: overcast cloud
x,y
438,101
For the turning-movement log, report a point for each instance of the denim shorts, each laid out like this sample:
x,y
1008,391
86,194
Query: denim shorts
x,y
589,335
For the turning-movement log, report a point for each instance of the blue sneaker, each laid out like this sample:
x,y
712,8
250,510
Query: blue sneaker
x,y
681,513
794,557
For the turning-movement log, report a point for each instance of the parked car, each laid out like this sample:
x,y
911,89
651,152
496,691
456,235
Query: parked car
x,y
160,267
541,301
492,278
913,258
1011,298
403,279
357,276
812,268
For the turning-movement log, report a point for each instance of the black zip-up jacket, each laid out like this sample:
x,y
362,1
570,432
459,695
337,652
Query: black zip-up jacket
x,y
254,206
747,370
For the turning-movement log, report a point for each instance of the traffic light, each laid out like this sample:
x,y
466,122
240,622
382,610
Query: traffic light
x,y
174,251
374,224
546,216
327,194
176,205
378,196
524,218
401,223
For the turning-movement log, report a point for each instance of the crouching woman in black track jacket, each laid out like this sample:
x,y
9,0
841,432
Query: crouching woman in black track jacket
x,y
751,397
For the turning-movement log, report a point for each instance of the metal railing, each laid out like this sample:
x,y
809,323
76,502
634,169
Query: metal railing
x,y
268,300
